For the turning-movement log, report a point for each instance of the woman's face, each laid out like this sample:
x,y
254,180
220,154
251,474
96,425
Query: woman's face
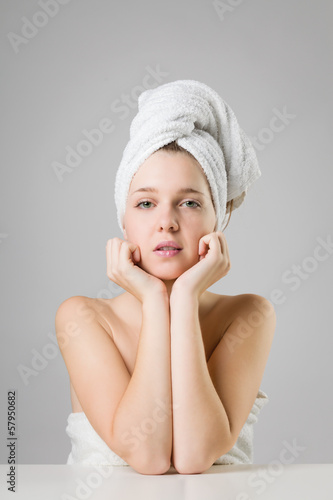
x,y
157,210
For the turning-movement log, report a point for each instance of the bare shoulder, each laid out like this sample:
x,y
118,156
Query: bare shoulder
x,y
239,299
78,305
232,306
87,309
245,298
255,302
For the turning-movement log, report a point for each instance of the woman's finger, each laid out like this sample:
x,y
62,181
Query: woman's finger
x,y
126,256
225,249
222,242
206,242
114,255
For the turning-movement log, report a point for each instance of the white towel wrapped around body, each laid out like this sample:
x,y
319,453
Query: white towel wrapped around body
x,y
198,119
88,448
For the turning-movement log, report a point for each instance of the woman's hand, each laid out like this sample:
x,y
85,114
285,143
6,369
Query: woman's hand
x,y
214,263
121,260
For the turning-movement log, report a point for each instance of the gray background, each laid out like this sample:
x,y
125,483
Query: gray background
x,y
262,57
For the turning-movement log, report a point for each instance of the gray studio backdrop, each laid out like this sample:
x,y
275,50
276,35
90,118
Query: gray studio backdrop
x,y
71,67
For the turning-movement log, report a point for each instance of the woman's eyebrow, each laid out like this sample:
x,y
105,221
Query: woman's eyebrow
x,y
180,191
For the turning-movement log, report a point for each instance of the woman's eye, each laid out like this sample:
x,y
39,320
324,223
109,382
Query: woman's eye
x,y
141,203
191,201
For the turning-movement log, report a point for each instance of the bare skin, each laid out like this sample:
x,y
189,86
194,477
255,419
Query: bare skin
x,y
216,312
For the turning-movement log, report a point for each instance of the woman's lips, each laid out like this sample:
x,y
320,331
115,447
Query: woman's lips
x,y
168,253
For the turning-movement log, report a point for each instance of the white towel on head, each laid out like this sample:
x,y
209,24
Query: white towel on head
x,y
198,119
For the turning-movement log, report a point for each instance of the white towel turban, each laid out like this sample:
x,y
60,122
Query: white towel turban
x,y
195,116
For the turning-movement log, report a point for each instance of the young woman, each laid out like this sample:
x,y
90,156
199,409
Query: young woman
x,y
167,373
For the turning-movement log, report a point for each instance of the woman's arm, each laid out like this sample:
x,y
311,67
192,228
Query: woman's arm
x,y
142,423
199,417
131,415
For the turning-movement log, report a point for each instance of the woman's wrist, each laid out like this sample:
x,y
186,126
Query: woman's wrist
x,y
155,295
181,296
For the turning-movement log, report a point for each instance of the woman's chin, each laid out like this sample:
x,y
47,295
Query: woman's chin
x,y
167,270
162,274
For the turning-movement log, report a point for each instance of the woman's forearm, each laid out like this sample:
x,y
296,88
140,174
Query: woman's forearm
x,y
200,423
143,421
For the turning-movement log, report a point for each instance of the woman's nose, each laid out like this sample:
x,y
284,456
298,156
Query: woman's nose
x,y
167,220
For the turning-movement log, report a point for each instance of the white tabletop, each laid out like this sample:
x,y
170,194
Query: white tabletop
x,y
237,482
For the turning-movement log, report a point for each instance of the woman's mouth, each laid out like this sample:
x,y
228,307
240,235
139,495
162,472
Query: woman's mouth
x,y
167,251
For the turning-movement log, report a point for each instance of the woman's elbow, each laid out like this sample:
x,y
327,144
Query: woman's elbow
x,y
152,466
192,465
